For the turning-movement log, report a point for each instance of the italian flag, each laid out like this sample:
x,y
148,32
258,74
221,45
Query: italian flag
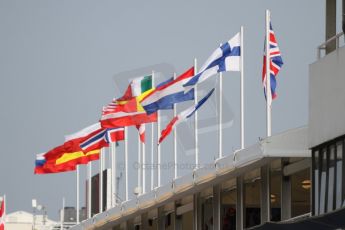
x,y
141,85
137,87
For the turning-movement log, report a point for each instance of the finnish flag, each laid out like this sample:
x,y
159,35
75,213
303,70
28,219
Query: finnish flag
x,y
225,58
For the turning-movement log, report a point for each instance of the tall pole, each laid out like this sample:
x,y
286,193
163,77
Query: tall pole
x,y
77,172
89,175
242,90
196,119
5,208
175,140
152,142
144,163
126,162
139,162
101,180
268,75
220,115
158,150
62,214
113,174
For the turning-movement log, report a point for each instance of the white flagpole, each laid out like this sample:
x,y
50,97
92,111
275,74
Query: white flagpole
x,y
152,143
144,163
268,75
220,114
101,155
5,209
5,206
89,175
62,219
175,140
113,174
126,162
196,119
77,172
139,161
152,152
158,150
242,90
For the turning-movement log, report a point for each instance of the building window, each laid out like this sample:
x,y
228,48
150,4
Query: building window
x,y
328,176
316,175
184,213
339,175
275,187
331,178
323,179
206,199
252,181
300,193
228,205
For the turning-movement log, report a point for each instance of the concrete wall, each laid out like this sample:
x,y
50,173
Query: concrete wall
x,y
327,98
18,226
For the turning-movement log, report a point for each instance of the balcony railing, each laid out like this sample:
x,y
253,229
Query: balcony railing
x,y
324,45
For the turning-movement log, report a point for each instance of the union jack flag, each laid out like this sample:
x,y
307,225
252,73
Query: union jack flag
x,y
275,65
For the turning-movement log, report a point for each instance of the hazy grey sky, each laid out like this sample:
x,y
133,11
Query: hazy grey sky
x,y
58,60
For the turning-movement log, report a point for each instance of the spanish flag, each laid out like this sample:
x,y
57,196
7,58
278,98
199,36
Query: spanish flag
x,y
46,163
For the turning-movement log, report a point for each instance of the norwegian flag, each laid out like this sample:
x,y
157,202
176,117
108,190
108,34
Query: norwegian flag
x,y
102,139
275,65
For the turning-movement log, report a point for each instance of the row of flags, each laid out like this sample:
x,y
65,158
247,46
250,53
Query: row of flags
x,y
140,103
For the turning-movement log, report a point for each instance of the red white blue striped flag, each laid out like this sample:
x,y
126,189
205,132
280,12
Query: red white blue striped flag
x,y
184,115
276,62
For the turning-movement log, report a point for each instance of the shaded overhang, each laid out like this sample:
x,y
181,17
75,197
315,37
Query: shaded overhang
x,y
329,221
292,143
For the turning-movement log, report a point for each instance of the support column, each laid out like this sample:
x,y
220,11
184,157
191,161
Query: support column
x,y
331,24
129,225
196,212
144,221
161,218
240,210
343,13
265,194
285,193
216,206
173,219
178,220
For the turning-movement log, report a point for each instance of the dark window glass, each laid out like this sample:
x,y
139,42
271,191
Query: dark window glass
x,y
316,180
300,193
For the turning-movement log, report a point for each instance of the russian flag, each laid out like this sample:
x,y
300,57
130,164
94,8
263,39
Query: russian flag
x,y
182,117
166,95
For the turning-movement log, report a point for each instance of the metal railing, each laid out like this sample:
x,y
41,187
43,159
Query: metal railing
x,y
300,217
323,46
66,225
